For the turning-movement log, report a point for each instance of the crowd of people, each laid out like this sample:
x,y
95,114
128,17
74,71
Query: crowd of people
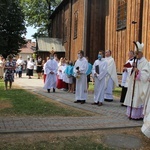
x,y
135,81
74,77
13,67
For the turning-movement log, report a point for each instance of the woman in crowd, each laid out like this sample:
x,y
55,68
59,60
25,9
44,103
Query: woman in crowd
x,y
30,67
44,71
1,67
39,67
9,71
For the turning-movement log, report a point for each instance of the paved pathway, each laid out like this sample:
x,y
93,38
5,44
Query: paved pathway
x,y
109,116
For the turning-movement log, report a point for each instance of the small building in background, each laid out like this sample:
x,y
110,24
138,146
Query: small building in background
x,y
27,50
46,44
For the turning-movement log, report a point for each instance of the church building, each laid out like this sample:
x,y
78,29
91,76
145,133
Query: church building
x,y
94,25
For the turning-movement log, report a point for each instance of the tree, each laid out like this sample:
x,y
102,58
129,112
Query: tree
x,y
3,4
37,13
12,27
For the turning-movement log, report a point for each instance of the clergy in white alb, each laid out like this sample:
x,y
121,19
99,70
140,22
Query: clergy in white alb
x,y
111,77
80,69
51,67
99,72
146,112
134,99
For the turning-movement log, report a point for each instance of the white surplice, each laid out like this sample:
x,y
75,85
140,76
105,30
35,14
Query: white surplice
x,y
126,74
51,79
60,71
146,125
111,78
99,84
81,79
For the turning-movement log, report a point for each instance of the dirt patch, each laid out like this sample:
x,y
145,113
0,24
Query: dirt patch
x,y
5,104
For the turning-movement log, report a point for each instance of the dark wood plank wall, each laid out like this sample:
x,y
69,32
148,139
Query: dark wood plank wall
x,y
74,42
66,22
148,34
146,28
120,42
145,21
95,28
77,43
101,28
58,25
66,16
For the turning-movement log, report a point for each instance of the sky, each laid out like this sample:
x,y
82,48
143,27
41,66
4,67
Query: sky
x,y
30,32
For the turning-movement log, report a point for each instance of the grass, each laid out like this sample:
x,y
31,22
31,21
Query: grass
x,y
57,143
19,102
116,91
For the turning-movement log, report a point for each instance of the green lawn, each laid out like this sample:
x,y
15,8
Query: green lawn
x,y
19,102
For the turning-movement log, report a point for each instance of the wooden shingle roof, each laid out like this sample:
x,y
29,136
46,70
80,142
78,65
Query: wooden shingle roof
x,y
46,44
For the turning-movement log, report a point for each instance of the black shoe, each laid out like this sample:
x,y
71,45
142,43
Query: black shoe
x,y
53,90
108,100
48,90
139,119
77,101
95,103
83,101
100,104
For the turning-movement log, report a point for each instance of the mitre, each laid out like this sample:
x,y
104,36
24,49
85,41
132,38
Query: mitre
x,y
140,46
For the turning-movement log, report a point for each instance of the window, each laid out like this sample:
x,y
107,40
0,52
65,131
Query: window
x,y
122,14
75,24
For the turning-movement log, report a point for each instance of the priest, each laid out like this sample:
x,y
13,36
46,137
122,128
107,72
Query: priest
x,y
51,67
137,85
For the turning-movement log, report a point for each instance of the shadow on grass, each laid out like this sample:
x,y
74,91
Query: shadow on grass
x,y
24,103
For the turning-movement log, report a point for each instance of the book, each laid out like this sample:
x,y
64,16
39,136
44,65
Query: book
x,y
97,69
127,65
77,68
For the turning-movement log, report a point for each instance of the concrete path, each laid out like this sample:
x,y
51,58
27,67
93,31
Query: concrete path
x,y
109,116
